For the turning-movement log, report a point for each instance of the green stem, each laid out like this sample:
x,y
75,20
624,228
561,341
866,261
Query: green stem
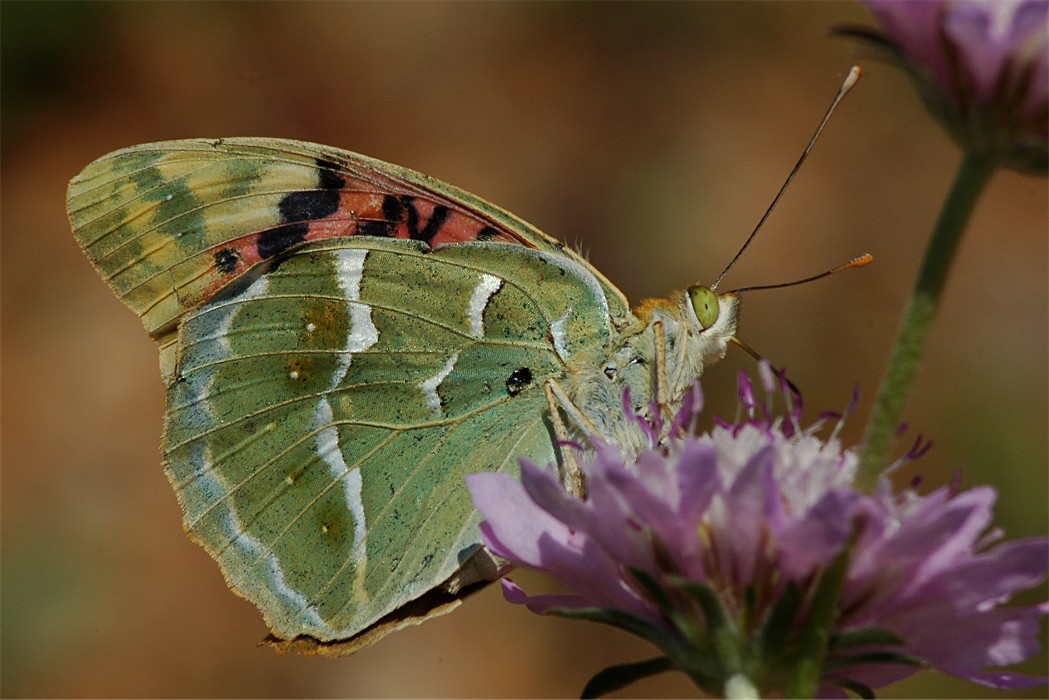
x,y
812,642
973,175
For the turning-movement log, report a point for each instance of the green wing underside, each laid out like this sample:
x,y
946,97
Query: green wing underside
x,y
323,418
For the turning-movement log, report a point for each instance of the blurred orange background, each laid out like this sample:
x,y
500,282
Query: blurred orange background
x,y
651,135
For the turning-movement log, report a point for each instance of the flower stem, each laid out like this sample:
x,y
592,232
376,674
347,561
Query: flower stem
x,y
973,175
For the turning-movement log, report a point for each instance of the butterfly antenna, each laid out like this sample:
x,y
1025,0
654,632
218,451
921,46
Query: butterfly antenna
x,y
850,81
861,261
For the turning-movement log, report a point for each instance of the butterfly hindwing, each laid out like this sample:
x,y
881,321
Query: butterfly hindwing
x,y
323,419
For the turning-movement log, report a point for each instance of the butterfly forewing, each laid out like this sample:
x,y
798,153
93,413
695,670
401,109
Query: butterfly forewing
x,y
170,224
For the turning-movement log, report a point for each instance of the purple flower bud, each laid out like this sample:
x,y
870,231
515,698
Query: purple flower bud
x,y
980,66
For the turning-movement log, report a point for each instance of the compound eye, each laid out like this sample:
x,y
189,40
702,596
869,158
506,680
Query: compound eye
x,y
704,304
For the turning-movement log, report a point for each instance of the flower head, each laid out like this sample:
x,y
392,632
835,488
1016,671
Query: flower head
x,y
723,549
980,66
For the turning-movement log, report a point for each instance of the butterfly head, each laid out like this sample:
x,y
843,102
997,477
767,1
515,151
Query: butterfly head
x,y
708,323
693,328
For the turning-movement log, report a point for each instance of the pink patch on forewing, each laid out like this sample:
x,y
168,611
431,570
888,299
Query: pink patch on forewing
x,y
356,207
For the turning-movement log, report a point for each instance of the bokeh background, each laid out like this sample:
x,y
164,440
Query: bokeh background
x,y
651,135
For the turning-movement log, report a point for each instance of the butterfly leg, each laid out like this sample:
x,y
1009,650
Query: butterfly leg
x,y
482,566
571,474
660,370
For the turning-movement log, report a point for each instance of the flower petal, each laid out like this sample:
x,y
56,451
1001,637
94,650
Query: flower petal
x,y
817,538
513,523
541,604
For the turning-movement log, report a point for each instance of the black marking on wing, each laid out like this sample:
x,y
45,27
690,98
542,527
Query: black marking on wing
x,y
226,260
276,240
310,205
392,212
518,380
297,209
398,210
330,176
426,234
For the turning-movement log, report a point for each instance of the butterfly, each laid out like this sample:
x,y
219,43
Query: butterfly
x,y
342,340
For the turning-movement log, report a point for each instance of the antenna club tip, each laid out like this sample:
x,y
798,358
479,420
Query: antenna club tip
x,y
851,79
861,261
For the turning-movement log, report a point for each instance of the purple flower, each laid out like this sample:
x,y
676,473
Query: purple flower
x,y
981,67
720,547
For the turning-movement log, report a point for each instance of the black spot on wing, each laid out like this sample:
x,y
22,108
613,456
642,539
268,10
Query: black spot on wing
x,y
309,205
408,203
330,177
403,210
518,380
393,208
276,240
437,219
226,260
407,208
392,212
383,229
487,233
297,209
